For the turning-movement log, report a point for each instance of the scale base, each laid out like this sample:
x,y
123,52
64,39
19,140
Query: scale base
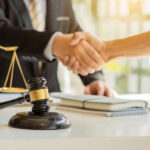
x,y
13,90
46,121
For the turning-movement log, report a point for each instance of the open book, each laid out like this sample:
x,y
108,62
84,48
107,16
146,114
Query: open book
x,y
98,102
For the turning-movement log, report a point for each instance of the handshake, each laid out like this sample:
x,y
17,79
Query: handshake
x,y
80,52
84,54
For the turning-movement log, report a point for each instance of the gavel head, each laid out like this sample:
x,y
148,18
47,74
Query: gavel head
x,y
37,83
38,95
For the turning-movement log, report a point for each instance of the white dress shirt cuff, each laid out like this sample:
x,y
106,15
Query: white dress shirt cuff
x,y
48,50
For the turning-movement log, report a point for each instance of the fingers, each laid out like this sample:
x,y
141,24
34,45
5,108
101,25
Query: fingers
x,y
71,62
108,92
99,45
82,71
84,62
77,37
87,91
105,90
87,59
94,55
75,67
100,89
65,61
59,59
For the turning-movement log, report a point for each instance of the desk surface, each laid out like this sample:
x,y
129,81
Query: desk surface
x,y
87,131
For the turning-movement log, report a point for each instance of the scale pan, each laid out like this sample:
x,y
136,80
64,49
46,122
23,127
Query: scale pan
x,y
13,90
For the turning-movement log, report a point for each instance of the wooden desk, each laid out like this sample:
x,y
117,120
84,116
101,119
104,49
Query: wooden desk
x,y
88,132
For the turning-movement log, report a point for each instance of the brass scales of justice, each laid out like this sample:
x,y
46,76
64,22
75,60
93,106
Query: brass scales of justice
x,y
10,73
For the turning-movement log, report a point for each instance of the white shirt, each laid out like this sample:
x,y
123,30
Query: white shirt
x,y
48,50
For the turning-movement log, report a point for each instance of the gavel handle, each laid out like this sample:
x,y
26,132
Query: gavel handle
x,y
19,100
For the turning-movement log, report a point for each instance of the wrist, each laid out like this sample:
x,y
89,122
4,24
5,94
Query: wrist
x,y
56,44
108,47
106,51
112,50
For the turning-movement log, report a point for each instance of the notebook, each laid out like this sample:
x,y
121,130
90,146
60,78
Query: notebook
x,y
127,112
4,97
100,103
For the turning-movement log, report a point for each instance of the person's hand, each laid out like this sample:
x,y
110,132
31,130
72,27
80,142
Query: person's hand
x,y
98,88
87,57
72,64
99,45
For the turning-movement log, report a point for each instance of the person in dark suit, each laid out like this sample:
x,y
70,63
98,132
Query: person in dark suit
x,y
19,26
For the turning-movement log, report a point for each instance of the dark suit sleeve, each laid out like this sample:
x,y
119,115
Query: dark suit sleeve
x,y
74,27
30,42
92,77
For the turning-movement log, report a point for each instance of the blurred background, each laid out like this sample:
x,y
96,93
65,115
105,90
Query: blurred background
x,y
111,19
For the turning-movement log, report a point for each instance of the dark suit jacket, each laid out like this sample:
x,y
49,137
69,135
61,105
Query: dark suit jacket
x,y
16,29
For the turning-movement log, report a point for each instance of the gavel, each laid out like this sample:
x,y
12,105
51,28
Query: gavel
x,y
39,118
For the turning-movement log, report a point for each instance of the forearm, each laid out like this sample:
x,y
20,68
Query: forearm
x,y
134,46
31,43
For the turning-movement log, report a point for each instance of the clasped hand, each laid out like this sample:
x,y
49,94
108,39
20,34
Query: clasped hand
x,y
80,52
